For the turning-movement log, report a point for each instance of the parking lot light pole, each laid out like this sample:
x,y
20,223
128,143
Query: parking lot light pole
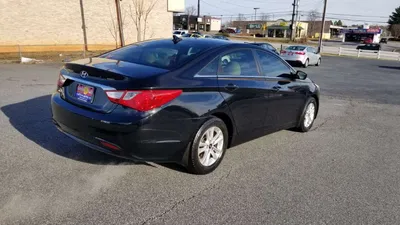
x,y
255,13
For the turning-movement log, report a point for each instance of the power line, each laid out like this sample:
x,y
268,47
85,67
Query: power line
x,y
350,15
339,14
216,7
252,14
355,20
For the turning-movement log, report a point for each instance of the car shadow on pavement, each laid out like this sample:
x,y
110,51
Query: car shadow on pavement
x,y
390,67
32,118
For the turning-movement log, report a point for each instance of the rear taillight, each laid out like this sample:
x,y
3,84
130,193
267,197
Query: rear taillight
x,y
61,80
300,53
143,100
283,52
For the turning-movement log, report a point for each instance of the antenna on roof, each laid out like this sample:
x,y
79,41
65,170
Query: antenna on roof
x,y
176,39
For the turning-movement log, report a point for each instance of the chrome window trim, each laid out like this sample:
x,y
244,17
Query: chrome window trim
x,y
205,76
227,76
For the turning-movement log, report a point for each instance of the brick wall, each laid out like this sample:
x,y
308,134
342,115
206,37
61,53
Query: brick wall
x,y
36,22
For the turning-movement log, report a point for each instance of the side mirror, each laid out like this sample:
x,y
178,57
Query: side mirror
x,y
301,75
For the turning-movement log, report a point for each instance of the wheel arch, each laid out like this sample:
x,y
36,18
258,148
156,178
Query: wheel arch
x,y
228,122
317,100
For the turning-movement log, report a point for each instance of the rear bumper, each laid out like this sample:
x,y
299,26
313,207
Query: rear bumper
x,y
298,59
149,139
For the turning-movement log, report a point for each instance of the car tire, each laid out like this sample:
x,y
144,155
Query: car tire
x,y
305,65
308,116
318,62
205,155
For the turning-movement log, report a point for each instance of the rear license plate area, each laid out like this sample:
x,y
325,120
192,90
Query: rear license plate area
x,y
84,93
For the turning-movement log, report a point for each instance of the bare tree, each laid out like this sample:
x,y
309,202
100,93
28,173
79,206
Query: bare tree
x,y
264,17
313,16
112,24
395,30
241,17
264,20
190,11
139,12
241,22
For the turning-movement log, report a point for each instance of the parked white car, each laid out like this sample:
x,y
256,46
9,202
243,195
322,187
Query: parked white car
x,y
304,55
179,33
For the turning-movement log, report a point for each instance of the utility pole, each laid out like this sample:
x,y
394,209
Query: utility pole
x,y
292,25
322,27
119,20
255,13
198,14
85,47
297,18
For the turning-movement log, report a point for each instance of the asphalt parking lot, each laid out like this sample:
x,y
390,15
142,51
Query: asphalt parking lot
x,y
345,171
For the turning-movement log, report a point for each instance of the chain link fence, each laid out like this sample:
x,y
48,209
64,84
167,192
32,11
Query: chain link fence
x,y
50,53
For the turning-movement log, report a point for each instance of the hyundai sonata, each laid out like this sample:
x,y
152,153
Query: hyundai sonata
x,y
181,100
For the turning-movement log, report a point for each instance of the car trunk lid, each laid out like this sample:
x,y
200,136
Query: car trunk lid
x,y
88,80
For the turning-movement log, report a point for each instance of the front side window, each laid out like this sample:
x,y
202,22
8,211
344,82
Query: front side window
x,y
238,63
312,50
271,65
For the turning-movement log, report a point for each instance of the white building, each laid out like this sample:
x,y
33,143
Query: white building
x,y
38,22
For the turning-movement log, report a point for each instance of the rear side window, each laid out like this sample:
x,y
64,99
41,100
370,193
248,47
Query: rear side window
x,y
271,65
211,68
270,47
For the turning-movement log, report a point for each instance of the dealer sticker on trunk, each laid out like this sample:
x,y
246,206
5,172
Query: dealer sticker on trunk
x,y
84,93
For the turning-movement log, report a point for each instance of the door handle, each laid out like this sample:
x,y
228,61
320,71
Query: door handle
x,y
276,88
231,87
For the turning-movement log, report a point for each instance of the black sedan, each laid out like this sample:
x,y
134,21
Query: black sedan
x,y
181,100
221,37
266,46
370,47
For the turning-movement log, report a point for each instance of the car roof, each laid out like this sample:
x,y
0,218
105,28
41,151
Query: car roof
x,y
305,46
258,43
203,41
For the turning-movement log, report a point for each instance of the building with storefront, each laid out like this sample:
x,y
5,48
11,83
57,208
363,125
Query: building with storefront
x,y
206,23
59,22
314,29
357,34
274,29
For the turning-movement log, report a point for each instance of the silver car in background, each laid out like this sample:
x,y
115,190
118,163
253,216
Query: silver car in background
x,y
304,55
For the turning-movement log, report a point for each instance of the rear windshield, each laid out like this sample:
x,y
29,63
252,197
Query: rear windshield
x,y
177,32
296,48
162,54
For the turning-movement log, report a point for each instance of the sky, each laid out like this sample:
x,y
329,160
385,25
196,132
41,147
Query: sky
x,y
349,11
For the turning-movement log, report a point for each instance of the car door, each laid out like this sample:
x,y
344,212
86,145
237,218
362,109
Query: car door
x,y
311,55
316,54
243,88
287,96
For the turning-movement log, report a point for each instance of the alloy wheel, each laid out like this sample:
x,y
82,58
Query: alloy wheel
x,y
211,146
309,115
